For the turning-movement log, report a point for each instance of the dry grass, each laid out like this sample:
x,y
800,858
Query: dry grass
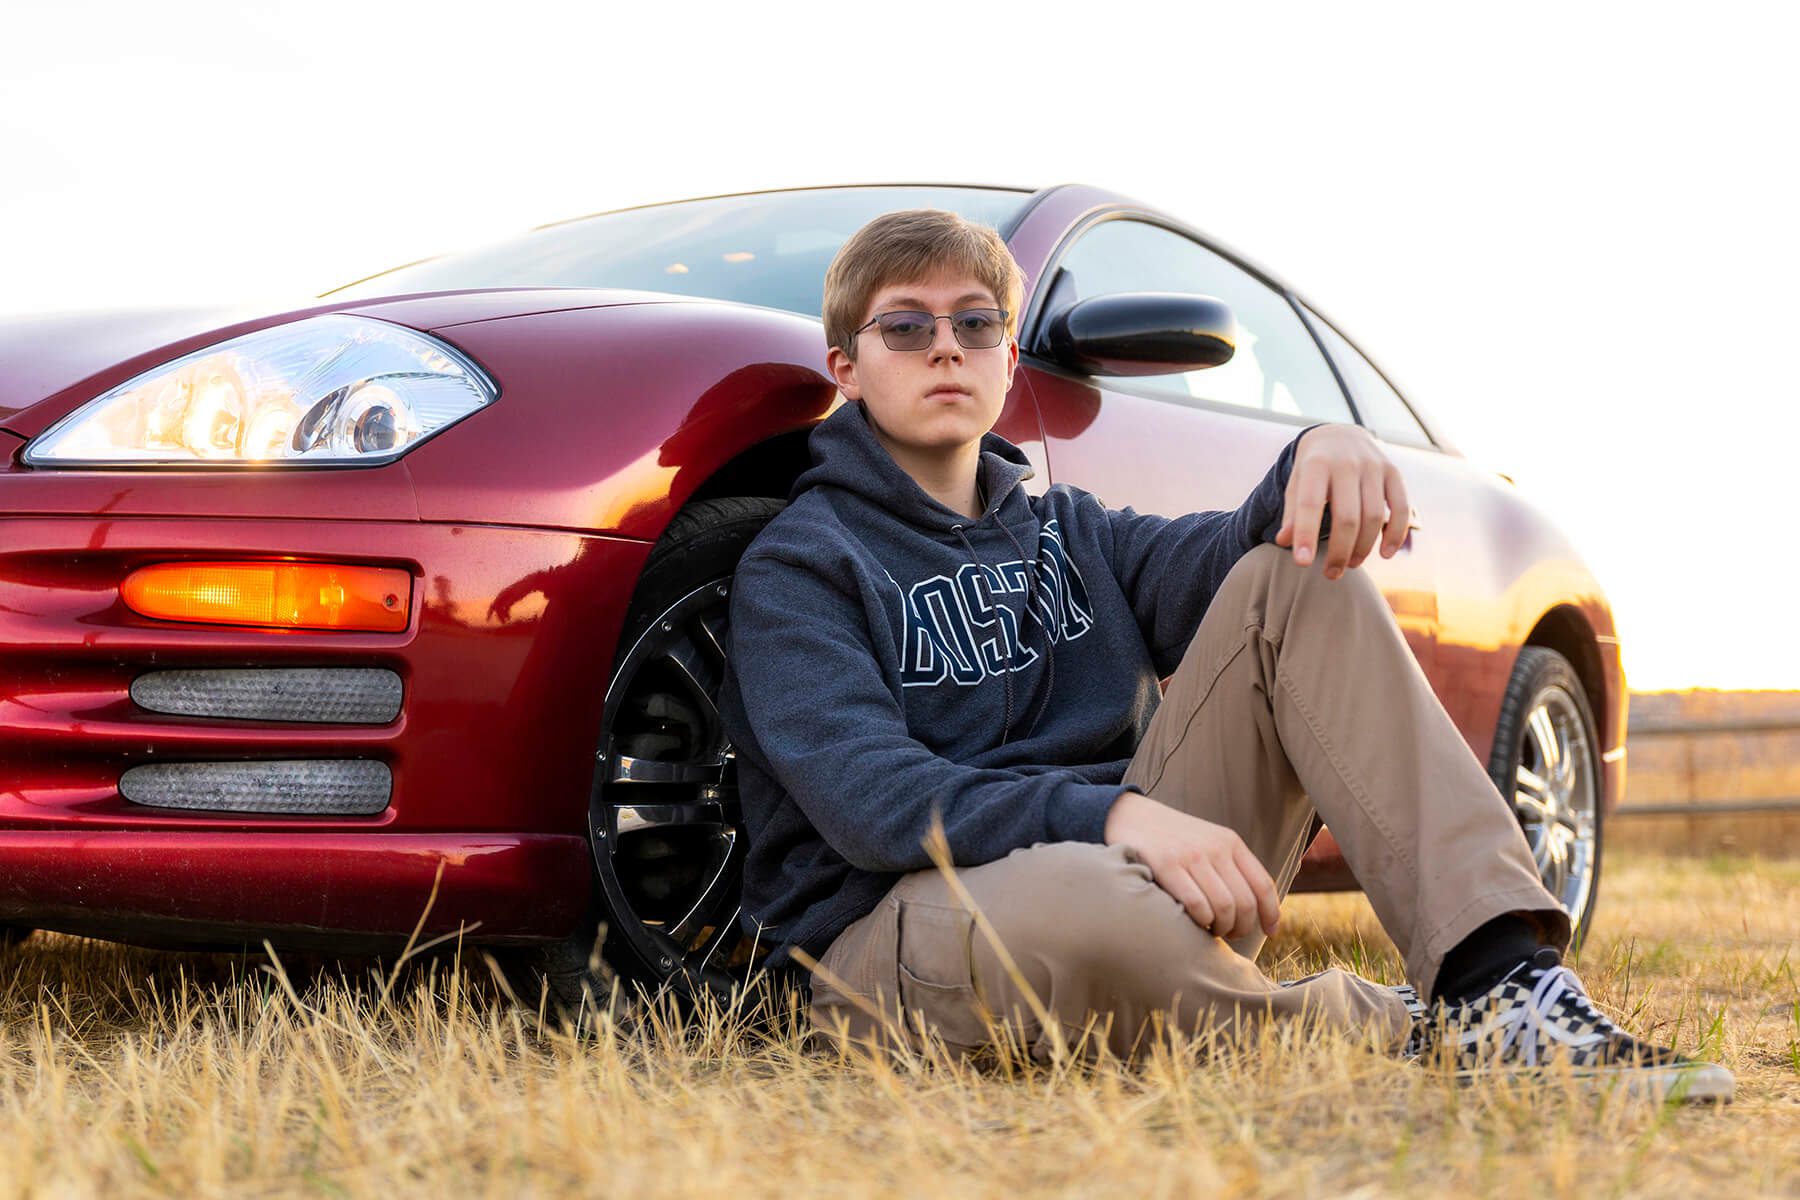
x,y
126,1072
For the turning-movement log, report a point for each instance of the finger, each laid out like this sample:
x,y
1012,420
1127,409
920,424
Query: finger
x,y
1312,488
1346,521
1218,894
1400,515
1243,898
1181,885
1370,531
1285,535
1262,886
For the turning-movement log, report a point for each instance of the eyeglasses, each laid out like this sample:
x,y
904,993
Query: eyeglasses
x,y
973,328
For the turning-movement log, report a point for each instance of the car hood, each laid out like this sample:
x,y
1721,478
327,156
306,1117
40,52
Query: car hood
x,y
51,363
41,355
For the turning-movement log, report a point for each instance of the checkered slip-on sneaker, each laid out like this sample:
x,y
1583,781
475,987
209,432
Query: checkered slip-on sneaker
x,y
1540,1014
1415,1008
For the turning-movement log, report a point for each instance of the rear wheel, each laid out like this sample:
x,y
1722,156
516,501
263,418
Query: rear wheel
x,y
1546,762
663,815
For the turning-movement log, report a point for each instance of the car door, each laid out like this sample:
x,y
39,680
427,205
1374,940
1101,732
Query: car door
x,y
1200,439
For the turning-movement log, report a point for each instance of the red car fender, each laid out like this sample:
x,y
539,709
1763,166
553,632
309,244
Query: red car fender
x,y
618,415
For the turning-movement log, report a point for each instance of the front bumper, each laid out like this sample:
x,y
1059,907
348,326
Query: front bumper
x,y
347,892
503,663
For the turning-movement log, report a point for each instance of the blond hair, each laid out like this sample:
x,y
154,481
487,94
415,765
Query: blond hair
x,y
912,246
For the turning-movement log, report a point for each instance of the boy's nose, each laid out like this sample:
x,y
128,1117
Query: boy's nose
x,y
943,342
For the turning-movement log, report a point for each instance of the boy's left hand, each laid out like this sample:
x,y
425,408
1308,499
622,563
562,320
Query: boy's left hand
x,y
1343,465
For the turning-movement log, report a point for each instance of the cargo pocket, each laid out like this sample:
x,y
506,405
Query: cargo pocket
x,y
936,975
858,981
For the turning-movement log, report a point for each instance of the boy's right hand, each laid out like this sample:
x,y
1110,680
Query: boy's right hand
x,y
1205,866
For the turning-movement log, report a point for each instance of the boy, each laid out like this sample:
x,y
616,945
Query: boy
x,y
917,636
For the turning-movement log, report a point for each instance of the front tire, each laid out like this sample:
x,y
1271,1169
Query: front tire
x,y
1546,763
663,820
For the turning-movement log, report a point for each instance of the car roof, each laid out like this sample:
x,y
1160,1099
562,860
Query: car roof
x,y
814,187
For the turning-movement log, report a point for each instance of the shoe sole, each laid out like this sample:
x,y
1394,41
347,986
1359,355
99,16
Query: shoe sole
x,y
1690,1083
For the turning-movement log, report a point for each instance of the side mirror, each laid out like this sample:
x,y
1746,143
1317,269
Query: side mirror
x,y
1142,333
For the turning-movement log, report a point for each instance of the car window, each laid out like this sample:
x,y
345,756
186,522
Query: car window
x,y
1276,367
1377,403
768,248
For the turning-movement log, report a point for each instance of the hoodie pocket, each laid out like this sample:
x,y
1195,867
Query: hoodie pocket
x,y
936,976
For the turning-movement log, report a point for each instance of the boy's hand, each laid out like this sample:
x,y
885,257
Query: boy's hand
x,y
1206,867
1343,465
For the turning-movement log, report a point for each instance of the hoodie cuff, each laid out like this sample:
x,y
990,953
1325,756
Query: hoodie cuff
x,y
1284,462
1078,812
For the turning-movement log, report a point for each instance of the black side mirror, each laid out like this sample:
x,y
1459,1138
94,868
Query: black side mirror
x,y
1142,333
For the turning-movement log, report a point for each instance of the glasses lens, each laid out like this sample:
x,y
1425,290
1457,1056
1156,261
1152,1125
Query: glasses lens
x,y
906,330
978,328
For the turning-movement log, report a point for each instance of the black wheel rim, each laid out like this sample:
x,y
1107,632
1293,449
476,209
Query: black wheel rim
x,y
663,814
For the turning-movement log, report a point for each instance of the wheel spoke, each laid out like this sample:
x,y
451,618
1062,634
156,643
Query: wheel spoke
x,y
1565,764
725,934
1541,849
630,818
1531,798
626,769
714,897
1556,876
710,636
1543,736
701,678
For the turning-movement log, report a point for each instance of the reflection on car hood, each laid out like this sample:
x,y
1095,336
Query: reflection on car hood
x,y
42,355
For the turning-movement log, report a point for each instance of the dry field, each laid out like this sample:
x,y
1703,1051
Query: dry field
x,y
127,1073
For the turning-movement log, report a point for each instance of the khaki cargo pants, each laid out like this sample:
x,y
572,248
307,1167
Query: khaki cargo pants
x,y
1298,694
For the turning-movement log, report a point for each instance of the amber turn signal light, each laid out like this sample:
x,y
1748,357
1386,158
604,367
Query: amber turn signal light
x,y
280,595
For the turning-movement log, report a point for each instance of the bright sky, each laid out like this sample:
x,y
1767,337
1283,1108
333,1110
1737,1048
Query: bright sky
x,y
1522,216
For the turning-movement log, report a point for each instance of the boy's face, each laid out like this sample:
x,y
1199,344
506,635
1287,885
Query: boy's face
x,y
942,398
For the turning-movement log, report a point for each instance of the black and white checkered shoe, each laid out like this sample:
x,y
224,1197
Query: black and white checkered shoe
x,y
1540,1014
1416,1009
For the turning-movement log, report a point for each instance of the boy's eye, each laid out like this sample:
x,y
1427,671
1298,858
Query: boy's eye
x,y
904,323
972,320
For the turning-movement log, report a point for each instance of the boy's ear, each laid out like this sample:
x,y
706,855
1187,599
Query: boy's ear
x,y
843,371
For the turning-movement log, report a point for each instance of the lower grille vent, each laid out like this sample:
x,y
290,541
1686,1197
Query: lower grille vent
x,y
302,787
321,695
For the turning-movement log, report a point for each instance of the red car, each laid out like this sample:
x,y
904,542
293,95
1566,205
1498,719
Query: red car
x,y
303,614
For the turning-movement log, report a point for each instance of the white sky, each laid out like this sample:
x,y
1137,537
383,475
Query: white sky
x,y
1572,232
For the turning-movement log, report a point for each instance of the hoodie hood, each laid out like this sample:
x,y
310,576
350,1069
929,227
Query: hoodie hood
x,y
847,455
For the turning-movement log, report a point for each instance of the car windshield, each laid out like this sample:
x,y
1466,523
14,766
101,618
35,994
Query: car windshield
x,y
769,248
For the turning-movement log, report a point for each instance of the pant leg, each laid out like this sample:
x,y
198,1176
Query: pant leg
x,y
1108,955
1299,692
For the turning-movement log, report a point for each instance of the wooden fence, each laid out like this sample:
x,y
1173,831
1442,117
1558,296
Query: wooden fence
x,y
1705,739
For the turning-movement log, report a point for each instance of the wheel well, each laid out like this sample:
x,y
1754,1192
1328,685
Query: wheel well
x,y
768,468
1565,631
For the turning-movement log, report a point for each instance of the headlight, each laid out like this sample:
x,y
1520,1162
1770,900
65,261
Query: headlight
x,y
322,390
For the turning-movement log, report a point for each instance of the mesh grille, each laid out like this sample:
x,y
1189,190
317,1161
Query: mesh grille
x,y
321,695
338,787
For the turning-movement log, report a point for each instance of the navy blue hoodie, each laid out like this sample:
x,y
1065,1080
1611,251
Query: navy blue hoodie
x,y
890,656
